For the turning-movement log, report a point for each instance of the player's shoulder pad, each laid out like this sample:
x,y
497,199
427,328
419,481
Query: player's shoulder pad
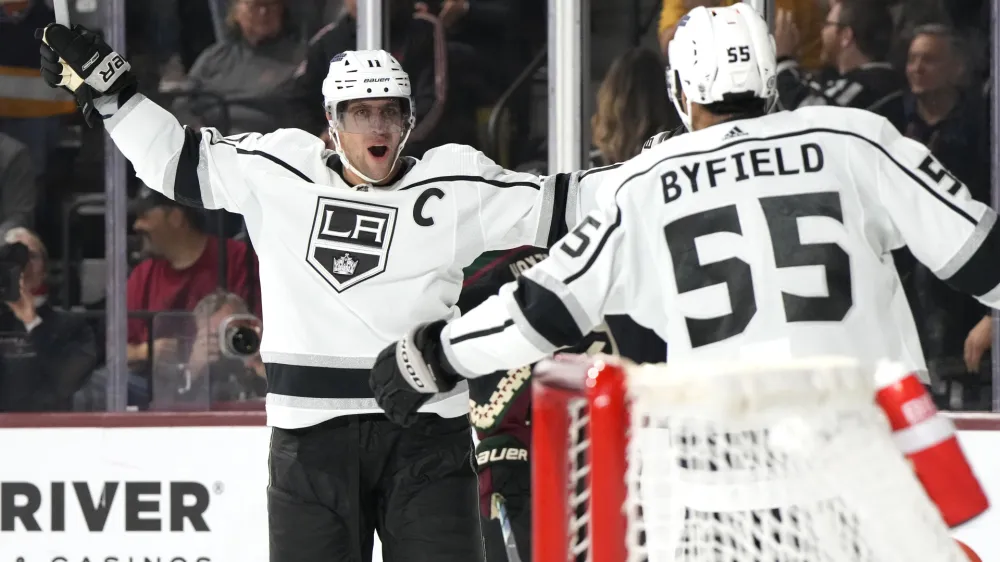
x,y
857,121
616,182
455,152
290,145
661,137
458,160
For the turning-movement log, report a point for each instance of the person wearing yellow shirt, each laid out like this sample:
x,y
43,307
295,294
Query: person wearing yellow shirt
x,y
808,18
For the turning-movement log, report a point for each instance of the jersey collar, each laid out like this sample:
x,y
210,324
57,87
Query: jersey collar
x,y
333,162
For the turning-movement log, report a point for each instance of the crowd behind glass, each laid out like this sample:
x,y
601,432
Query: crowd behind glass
x,y
477,68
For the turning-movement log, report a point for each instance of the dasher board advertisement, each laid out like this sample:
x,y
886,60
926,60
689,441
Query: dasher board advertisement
x,y
199,494
177,494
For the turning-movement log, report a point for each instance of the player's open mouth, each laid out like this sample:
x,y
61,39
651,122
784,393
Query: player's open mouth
x,y
378,151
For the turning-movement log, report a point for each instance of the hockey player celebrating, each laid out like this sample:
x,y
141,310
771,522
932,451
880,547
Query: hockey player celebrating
x,y
753,235
356,245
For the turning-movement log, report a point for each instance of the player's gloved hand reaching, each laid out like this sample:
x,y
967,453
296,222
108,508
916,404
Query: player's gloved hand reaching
x,y
79,61
409,372
504,469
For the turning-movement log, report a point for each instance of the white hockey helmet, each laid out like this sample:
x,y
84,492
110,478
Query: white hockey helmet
x,y
721,55
355,75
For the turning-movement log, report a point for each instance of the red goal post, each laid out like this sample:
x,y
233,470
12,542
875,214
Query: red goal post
x,y
578,393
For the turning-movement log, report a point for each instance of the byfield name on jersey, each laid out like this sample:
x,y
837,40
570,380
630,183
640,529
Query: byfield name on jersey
x,y
688,176
788,255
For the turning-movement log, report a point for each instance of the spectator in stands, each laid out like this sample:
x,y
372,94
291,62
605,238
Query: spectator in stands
x,y
951,124
939,114
632,106
418,44
182,269
856,43
252,70
18,186
229,378
45,354
806,14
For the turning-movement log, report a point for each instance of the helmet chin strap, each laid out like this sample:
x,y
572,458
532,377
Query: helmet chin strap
x,y
673,84
339,149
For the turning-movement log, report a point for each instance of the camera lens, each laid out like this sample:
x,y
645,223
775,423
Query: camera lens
x,y
243,340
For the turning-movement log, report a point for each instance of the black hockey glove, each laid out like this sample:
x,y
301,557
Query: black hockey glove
x,y
504,470
80,62
411,371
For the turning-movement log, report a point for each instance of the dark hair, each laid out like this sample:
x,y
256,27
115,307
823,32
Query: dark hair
x,y
872,26
744,104
946,32
195,218
633,104
233,27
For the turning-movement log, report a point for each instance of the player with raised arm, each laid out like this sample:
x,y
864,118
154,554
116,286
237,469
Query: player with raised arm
x,y
755,235
356,245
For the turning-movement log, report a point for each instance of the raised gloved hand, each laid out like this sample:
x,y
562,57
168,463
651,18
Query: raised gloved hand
x,y
409,372
79,61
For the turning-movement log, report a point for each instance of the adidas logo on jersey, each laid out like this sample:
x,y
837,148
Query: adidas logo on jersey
x,y
733,133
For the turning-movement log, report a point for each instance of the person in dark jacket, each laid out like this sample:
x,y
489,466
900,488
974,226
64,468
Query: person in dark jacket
x,y
855,45
45,354
252,69
953,125
18,188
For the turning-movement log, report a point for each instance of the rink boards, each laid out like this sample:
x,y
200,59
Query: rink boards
x,y
190,487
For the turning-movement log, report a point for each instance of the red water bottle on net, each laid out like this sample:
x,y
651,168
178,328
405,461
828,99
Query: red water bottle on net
x,y
928,440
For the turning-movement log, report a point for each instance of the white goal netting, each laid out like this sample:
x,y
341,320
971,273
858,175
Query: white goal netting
x,y
787,462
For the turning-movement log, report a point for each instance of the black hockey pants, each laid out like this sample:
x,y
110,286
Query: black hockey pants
x,y
335,483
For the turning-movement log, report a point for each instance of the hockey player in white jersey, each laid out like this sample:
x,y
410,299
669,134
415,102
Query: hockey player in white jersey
x,y
754,235
355,246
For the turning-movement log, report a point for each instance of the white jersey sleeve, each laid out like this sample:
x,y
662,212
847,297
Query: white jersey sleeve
x,y
196,167
522,209
553,304
933,213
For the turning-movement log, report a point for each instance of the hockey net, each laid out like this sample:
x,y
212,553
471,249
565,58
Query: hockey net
x,y
788,462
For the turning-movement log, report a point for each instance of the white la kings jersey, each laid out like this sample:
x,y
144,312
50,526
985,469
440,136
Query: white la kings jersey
x,y
345,272
757,238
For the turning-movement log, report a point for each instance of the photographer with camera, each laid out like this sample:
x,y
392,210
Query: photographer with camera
x,y
223,364
45,354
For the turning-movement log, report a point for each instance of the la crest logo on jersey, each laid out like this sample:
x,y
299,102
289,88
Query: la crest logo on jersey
x,y
349,242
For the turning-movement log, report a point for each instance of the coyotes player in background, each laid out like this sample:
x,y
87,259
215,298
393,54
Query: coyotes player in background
x,y
500,403
756,235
